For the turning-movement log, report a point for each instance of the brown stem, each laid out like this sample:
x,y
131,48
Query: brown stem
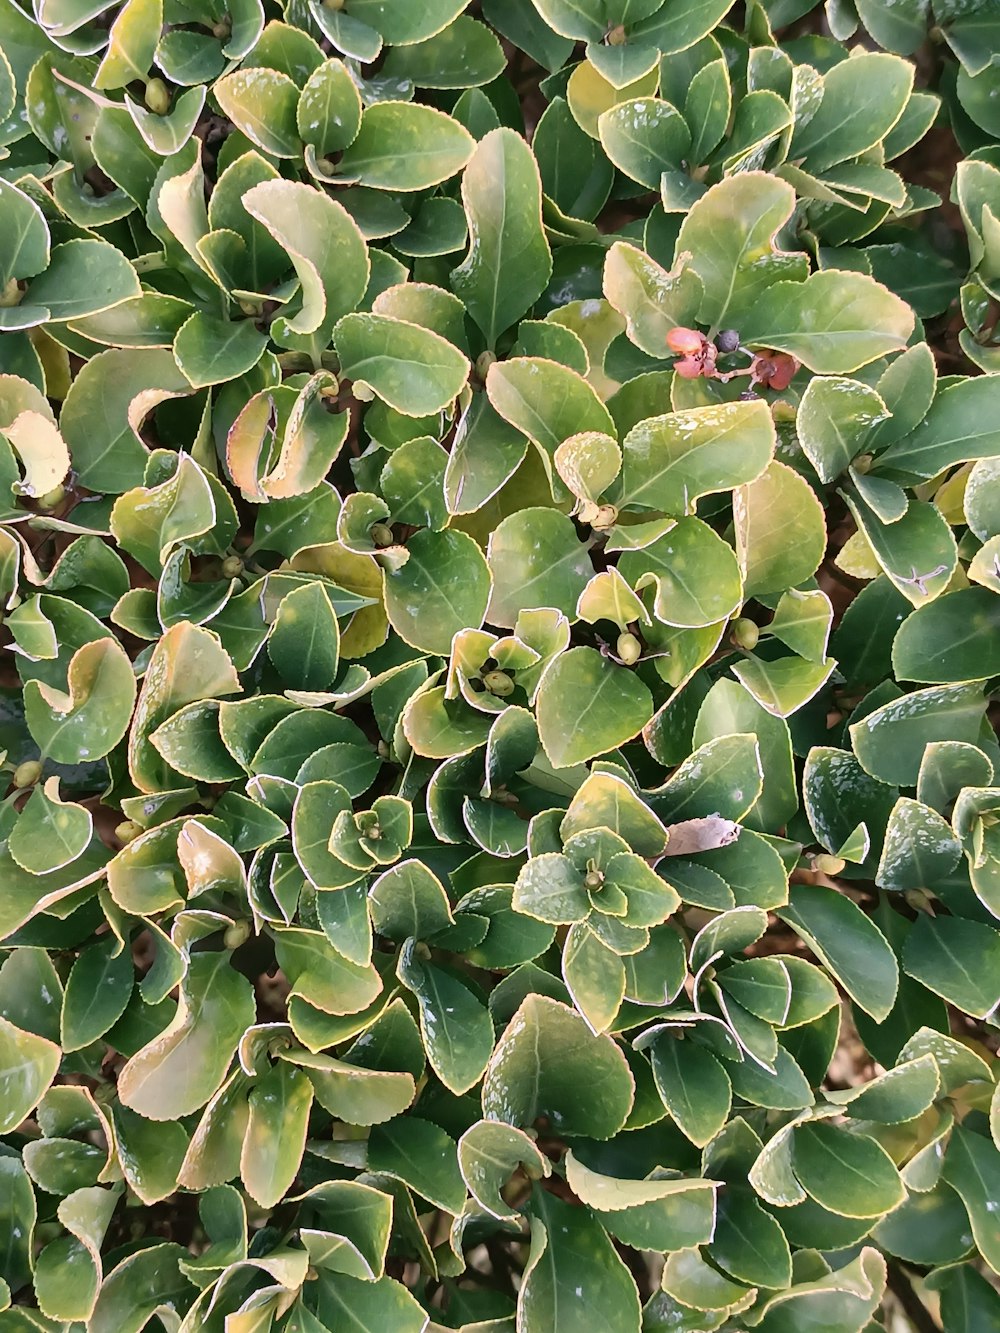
x,y
914,1308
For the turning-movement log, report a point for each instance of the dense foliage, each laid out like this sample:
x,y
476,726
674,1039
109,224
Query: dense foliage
x,y
500,531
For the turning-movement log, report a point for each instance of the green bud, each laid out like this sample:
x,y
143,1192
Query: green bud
x,y
54,498
594,879
128,830
616,37
11,294
745,633
629,648
28,773
236,934
863,463
325,166
223,29
232,567
828,865
381,534
483,362
498,683
157,97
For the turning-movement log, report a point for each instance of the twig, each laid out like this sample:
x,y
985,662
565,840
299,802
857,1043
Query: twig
x,y
914,1308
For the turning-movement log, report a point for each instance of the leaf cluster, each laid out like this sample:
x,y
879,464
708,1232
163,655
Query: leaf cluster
x,y
499,525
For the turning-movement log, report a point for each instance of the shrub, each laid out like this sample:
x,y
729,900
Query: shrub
x,y
502,826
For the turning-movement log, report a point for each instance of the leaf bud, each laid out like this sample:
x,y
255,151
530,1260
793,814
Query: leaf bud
x,y
236,934
11,294
157,97
606,517
616,37
381,534
745,633
128,830
28,773
827,864
629,648
54,498
498,683
863,463
232,567
483,362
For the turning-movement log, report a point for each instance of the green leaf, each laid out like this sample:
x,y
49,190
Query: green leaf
x,y
456,1029
211,351
328,112
404,146
834,322
509,262
421,1155
91,716
587,706
488,1155
670,462
28,1064
536,559
653,1214
573,1273
178,1071
951,639
851,1174
645,137
276,1133
919,848
83,277
972,1169
957,959
443,587
958,427
694,572
98,989
861,100
49,833
780,529
262,102
749,1244
835,418
916,550
412,369
729,235
539,1064
304,643
24,250
187,665
848,943
547,402
324,246
890,741
693,1086
105,408
651,301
